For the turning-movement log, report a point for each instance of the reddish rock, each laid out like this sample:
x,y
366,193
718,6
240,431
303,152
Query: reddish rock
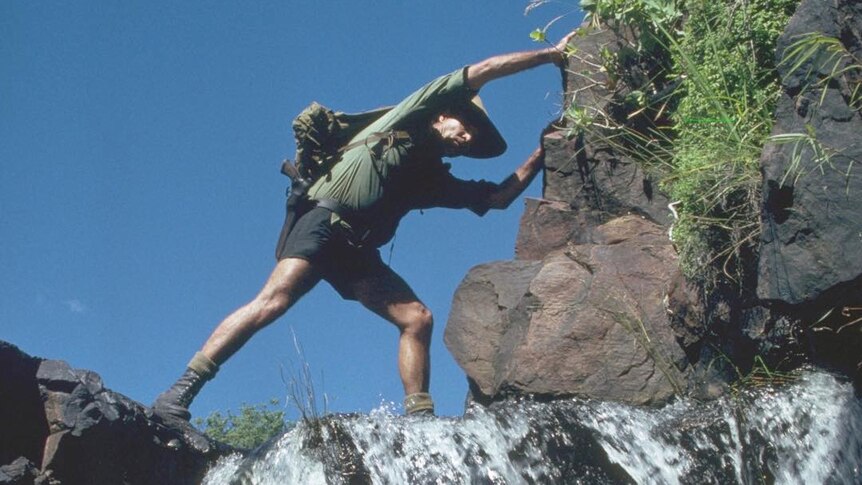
x,y
588,321
549,225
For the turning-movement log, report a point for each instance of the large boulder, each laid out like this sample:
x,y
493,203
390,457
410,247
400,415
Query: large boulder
x,y
62,426
812,220
588,321
810,268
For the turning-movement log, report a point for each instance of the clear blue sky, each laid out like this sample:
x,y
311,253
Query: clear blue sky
x,y
140,198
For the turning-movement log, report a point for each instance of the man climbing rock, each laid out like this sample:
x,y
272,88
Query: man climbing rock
x,y
356,209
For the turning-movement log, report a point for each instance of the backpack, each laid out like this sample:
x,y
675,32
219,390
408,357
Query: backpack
x,y
322,135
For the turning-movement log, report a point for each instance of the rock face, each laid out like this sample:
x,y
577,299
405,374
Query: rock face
x,y
812,222
594,304
62,426
810,268
582,309
589,320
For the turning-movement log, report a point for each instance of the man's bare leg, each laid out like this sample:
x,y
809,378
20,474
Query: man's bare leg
x,y
291,278
389,296
289,281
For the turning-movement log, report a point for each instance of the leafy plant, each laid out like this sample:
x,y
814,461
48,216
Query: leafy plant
x,y
250,428
725,56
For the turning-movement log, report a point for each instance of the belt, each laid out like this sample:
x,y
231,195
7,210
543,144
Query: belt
x,y
356,230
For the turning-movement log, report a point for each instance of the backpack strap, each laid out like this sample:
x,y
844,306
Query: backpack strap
x,y
391,136
289,169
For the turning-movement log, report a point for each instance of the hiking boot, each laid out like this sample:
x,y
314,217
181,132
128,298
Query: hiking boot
x,y
174,403
419,404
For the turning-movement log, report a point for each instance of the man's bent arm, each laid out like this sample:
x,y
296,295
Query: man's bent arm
x,y
514,185
506,64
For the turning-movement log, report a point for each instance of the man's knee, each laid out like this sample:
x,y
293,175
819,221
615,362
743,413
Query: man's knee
x,y
290,280
274,305
420,321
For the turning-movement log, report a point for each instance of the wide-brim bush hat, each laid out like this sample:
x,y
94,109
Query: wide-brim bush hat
x,y
486,142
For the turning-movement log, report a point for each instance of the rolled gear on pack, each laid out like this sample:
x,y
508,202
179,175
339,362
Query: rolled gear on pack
x,y
321,136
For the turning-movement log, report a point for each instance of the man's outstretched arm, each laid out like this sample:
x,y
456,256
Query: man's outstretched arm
x,y
515,184
506,64
509,190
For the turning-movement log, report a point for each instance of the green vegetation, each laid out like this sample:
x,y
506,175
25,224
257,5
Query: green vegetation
x,y
253,426
761,375
256,424
694,108
725,54
817,50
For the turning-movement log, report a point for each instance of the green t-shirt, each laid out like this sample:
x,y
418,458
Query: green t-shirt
x,y
382,181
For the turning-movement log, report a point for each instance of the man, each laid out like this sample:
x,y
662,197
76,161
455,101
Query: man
x,y
358,207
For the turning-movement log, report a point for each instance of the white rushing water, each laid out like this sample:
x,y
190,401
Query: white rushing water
x,y
809,432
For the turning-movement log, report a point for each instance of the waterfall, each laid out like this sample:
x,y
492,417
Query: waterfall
x,y
806,432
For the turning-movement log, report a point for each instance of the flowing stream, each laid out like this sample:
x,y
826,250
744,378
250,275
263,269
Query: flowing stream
x,y
807,432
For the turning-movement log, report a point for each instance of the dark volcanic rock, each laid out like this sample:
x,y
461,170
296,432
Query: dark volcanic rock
x,y
812,220
810,269
83,433
20,472
592,177
590,321
23,427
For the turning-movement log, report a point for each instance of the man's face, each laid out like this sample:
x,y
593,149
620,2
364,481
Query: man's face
x,y
454,136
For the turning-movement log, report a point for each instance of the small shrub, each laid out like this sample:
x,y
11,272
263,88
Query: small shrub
x,y
253,426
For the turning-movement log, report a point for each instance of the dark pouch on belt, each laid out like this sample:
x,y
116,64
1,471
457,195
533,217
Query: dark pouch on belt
x,y
296,206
